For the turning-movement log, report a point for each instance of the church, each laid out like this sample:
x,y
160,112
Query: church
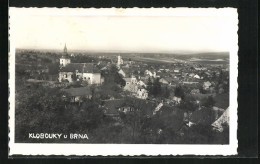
x,y
70,72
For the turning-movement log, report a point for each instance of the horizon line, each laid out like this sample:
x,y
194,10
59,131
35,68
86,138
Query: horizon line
x,y
117,51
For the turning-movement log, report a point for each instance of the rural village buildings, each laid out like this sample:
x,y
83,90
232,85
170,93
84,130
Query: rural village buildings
x,y
78,71
136,75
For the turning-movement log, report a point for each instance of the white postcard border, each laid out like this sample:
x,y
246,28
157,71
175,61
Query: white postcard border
x,y
131,149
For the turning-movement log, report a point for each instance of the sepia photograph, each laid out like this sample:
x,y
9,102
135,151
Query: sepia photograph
x,y
111,81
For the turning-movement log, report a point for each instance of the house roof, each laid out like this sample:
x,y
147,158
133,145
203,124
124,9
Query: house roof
x,y
207,83
222,119
81,91
81,67
164,79
127,79
127,71
65,56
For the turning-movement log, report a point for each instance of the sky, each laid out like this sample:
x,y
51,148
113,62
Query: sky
x,y
119,30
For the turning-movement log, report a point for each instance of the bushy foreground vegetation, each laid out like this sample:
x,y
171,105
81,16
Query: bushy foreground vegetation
x,y
43,110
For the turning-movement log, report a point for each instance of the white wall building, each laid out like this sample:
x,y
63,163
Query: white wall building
x,y
64,60
142,93
80,71
119,61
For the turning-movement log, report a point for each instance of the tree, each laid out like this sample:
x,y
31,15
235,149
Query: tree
x,y
166,92
136,118
202,90
38,109
53,68
198,134
179,92
136,72
74,76
149,86
113,76
221,77
157,87
226,86
188,104
214,76
91,115
209,102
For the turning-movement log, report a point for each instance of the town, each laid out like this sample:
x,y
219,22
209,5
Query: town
x,y
123,97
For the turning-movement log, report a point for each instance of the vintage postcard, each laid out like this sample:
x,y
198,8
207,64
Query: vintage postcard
x,y
128,82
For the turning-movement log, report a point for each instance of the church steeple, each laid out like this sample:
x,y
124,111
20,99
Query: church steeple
x,y
64,60
65,49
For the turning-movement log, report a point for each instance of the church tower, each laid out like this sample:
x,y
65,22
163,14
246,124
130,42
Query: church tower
x,y
119,61
64,60
65,49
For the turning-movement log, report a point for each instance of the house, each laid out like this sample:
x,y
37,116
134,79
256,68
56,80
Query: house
x,y
184,74
126,66
224,118
191,75
176,100
127,81
196,76
76,94
172,80
208,74
129,61
218,111
206,85
131,88
164,81
158,107
141,83
121,72
190,82
78,71
195,91
147,72
142,93
131,80
200,69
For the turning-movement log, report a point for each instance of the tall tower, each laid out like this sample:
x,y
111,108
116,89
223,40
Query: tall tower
x,y
119,61
64,60
65,49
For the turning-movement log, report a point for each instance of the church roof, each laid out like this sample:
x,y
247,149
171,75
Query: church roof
x,y
65,56
81,67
